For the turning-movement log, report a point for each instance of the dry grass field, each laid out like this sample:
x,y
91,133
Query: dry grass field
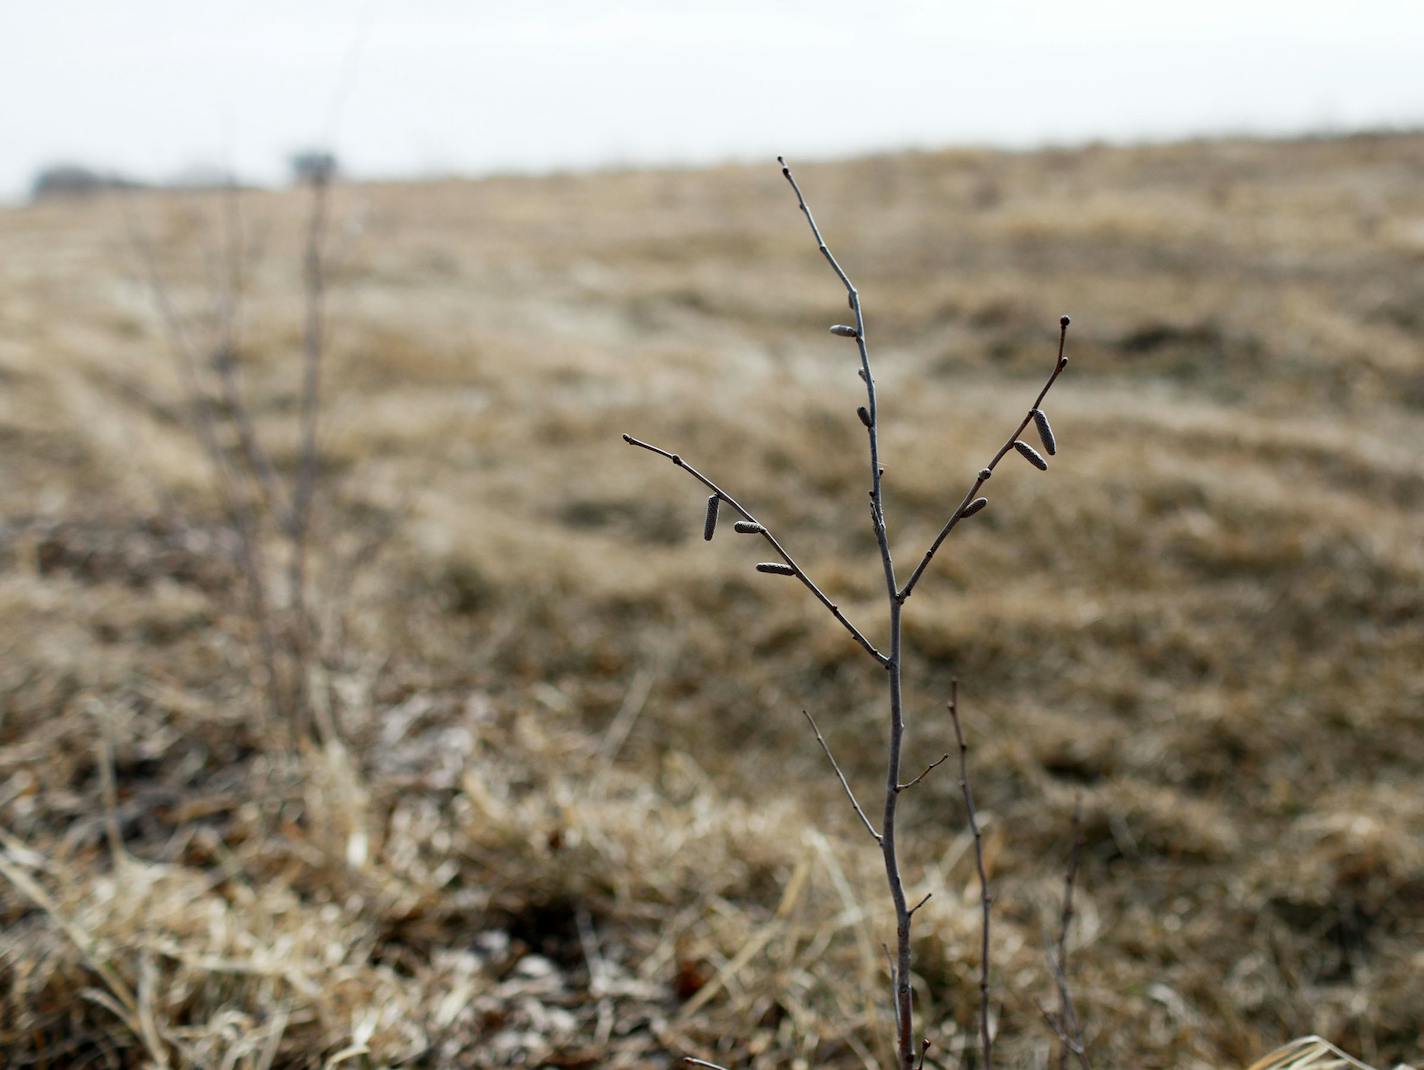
x,y
574,817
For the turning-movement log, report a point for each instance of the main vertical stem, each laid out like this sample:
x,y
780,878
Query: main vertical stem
x,y
905,1035
904,1026
905,1043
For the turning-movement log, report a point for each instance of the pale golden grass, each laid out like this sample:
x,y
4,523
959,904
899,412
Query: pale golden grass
x,y
539,844
1310,1053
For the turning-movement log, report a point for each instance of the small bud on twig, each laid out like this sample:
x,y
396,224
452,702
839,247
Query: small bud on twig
x,y
775,568
985,473
710,526
1030,455
748,527
1045,431
974,507
1063,322
864,414
844,330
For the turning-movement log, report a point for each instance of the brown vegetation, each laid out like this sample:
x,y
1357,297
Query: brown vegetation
x,y
538,843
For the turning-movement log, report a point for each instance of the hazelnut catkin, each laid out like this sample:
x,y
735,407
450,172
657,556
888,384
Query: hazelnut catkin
x,y
1031,455
709,527
1045,431
775,568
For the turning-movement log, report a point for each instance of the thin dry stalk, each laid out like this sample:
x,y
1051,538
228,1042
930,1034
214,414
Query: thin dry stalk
x,y
1071,1030
986,896
313,352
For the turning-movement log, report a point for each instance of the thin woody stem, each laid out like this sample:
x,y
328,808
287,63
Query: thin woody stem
x,y
1069,1028
986,897
765,533
860,813
304,491
988,469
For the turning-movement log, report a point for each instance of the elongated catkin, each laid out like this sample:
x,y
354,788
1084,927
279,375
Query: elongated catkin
x,y
1031,455
775,568
1045,431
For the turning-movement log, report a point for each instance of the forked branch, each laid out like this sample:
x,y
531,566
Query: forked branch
x,y
967,505
762,530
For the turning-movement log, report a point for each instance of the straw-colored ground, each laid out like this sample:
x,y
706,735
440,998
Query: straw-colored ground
x,y
577,819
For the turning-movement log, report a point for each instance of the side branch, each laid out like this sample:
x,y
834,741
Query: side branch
x,y
816,231
986,897
860,813
927,771
984,473
764,532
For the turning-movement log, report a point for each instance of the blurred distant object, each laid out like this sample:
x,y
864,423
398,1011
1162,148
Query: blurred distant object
x,y
76,180
313,166
199,177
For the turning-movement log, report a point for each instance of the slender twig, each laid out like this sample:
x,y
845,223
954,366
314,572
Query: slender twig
x,y
986,897
928,770
1068,1043
988,469
766,534
702,1062
841,777
1069,1028
923,900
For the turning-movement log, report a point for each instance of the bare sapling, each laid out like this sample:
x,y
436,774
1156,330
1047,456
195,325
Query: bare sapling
x,y
265,509
889,655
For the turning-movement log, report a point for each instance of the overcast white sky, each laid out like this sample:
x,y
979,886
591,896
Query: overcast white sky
x,y
154,86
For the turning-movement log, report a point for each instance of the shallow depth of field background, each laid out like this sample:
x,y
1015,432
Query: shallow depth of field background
x,y
572,816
